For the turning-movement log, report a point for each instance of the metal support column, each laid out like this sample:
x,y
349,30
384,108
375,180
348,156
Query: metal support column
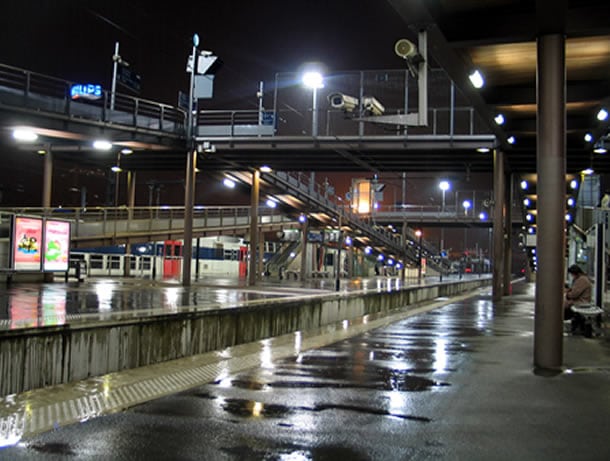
x,y
47,181
189,204
131,198
254,198
508,244
304,232
550,241
498,224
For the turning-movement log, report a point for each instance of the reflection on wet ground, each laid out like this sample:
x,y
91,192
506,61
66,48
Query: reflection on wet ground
x,y
40,305
448,384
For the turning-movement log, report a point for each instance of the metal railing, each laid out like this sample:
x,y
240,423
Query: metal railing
x,y
52,96
123,222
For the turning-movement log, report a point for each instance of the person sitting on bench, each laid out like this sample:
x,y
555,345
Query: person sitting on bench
x,y
579,293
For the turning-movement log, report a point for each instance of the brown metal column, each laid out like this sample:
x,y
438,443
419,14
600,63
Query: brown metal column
x,y
498,224
189,204
254,199
550,240
47,179
508,232
304,232
131,198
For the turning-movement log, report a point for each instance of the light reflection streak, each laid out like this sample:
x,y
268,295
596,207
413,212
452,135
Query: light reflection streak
x,y
440,355
104,291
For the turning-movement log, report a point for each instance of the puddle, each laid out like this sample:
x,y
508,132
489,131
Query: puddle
x,y
251,408
53,448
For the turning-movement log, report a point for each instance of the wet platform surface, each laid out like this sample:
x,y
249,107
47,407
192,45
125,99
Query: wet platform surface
x,y
454,382
46,304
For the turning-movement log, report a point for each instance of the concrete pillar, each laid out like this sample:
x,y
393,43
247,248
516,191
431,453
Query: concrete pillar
x,y
254,199
304,232
189,204
550,241
47,178
508,244
498,225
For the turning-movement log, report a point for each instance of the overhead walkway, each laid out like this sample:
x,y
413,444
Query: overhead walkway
x,y
112,226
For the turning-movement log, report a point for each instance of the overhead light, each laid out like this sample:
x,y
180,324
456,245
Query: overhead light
x,y
271,203
568,217
588,171
197,170
24,135
511,140
482,216
41,151
529,217
477,79
116,169
368,250
466,204
526,202
126,151
313,79
101,144
380,257
574,184
600,150
571,201
348,240
602,115
265,169
483,150
444,185
588,137
523,185
499,119
302,218
531,230
229,183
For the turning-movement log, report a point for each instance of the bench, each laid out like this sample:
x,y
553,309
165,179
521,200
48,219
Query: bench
x,y
588,318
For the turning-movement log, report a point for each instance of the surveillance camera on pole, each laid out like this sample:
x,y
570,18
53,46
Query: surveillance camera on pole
x,y
343,101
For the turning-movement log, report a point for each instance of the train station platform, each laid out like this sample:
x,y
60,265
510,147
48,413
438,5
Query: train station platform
x,y
450,379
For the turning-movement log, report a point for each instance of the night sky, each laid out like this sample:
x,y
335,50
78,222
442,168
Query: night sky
x,y
75,40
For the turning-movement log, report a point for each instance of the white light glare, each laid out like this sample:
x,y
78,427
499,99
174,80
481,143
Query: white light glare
x,y
602,115
526,202
25,135
571,201
482,216
523,185
229,183
271,203
588,171
101,144
574,184
511,140
466,204
265,169
499,119
588,137
477,79
444,185
313,79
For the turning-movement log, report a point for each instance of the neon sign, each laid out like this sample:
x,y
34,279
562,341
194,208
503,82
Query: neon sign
x,y
86,91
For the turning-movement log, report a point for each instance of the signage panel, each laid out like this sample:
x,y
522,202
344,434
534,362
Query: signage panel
x,y
27,242
57,245
86,91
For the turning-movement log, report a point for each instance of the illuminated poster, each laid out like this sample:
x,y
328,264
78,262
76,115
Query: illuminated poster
x,y
27,241
57,245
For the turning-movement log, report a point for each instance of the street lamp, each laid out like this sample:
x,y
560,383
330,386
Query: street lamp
x,y
315,81
419,234
444,186
466,204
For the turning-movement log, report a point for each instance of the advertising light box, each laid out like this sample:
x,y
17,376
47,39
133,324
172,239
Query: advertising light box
x,y
57,245
27,243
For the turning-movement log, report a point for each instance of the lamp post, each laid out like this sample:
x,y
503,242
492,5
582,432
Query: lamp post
x,y
315,81
419,234
444,186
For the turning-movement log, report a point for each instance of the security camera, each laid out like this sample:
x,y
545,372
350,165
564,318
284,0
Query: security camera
x,y
343,101
372,106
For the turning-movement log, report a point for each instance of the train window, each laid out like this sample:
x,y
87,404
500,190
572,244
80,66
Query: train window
x,y
96,262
